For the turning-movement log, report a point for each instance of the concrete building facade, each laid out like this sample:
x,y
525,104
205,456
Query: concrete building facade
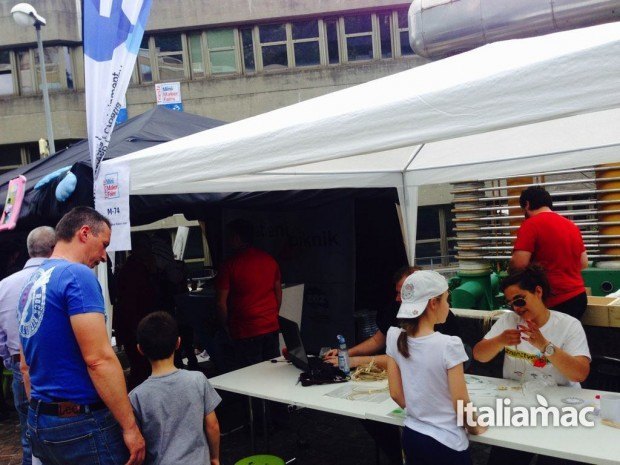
x,y
233,58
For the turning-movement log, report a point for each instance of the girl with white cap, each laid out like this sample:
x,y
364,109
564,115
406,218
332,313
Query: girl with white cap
x,y
425,373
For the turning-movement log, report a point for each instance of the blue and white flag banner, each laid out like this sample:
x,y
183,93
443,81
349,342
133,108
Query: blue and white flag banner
x,y
113,31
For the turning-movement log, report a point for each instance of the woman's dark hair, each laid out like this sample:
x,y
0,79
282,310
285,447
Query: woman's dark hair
x,y
157,335
528,278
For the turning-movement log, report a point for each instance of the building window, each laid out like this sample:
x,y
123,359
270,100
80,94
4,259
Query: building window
x,y
58,69
403,33
145,71
305,37
273,49
385,34
53,67
247,44
32,150
197,65
333,49
12,157
68,65
358,37
222,51
7,86
169,50
26,75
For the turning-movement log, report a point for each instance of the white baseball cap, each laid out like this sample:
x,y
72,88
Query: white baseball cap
x,y
417,290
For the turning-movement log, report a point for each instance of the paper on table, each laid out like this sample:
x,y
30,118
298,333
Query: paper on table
x,y
370,393
474,383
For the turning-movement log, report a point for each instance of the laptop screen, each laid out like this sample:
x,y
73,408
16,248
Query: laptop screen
x,y
294,346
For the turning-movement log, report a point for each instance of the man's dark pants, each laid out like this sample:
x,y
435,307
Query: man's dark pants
x,y
253,350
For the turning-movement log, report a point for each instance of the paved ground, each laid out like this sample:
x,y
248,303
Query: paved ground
x,y
309,436
10,447
313,438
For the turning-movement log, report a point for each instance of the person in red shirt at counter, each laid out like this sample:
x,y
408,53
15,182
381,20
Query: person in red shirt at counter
x,y
555,243
249,295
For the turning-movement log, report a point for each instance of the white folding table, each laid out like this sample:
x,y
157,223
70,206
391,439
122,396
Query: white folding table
x,y
278,382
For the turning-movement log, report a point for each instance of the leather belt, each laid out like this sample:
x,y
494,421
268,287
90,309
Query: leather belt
x,y
64,409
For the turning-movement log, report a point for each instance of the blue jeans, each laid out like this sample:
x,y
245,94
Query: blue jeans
x,y
421,449
86,439
21,405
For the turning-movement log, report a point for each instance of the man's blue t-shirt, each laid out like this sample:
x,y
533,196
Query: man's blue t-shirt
x,y
55,292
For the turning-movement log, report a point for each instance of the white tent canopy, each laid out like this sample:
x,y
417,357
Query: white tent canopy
x,y
507,108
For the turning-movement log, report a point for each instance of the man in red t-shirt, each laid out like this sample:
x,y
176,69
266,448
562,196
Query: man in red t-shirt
x,y
249,297
555,243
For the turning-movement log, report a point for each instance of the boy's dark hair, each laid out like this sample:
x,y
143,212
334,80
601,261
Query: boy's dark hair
x,y
537,197
528,278
157,335
78,217
244,229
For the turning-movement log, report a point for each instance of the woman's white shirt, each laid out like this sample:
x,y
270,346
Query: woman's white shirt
x,y
524,362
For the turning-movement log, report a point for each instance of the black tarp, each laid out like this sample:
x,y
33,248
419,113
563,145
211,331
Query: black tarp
x,y
146,130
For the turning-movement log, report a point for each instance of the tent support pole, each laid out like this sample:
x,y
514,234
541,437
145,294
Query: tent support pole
x,y
408,198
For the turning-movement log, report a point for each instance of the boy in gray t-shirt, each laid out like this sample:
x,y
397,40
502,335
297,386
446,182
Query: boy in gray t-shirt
x,y
174,408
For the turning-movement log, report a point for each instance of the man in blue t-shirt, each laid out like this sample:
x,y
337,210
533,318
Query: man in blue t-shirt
x,y
79,410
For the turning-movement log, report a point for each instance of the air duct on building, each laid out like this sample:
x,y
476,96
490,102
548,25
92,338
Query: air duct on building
x,y
438,28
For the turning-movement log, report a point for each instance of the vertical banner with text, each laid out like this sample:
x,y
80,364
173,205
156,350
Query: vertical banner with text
x,y
112,194
113,31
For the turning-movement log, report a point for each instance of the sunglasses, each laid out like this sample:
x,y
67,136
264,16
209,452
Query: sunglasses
x,y
518,302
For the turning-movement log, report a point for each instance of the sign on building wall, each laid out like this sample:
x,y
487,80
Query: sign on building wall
x,y
169,95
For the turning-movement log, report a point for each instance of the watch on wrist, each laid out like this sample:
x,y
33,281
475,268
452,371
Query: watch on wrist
x,y
549,349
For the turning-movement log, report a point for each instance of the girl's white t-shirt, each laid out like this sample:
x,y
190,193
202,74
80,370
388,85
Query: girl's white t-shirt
x,y
424,374
524,362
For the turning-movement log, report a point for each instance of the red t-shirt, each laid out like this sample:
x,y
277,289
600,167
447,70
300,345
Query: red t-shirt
x,y
250,276
556,244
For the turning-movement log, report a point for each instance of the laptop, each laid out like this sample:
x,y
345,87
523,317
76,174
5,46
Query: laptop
x,y
296,350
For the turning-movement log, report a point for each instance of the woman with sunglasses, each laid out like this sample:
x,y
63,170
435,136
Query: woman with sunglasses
x,y
537,342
